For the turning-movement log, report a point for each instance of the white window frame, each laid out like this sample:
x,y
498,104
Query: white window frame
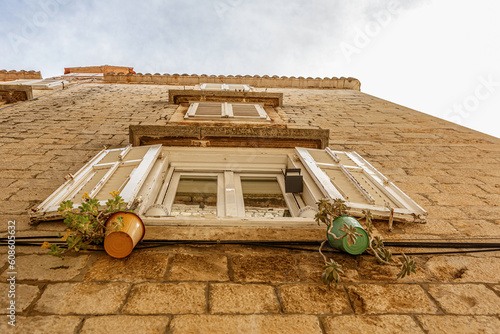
x,y
229,191
226,87
154,183
226,111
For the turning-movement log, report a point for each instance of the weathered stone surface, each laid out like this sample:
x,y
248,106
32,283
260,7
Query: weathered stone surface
x,y
188,267
391,298
125,324
24,295
42,324
48,267
465,268
265,269
167,298
245,324
137,267
82,298
445,324
466,298
313,299
244,299
373,324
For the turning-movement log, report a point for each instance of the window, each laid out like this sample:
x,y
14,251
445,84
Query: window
x,y
218,110
184,184
228,87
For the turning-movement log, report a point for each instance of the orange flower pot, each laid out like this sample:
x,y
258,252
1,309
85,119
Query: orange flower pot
x,y
120,242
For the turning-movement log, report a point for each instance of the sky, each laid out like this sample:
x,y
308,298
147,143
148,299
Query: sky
x,y
440,57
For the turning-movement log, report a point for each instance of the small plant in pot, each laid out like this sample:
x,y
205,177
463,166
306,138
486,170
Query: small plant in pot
x,y
88,225
347,234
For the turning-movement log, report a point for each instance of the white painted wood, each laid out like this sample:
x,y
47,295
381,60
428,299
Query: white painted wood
x,y
230,198
405,208
318,175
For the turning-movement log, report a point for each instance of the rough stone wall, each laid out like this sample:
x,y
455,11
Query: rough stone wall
x,y
450,170
14,75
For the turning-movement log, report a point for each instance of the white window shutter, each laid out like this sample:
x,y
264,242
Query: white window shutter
x,y
347,176
123,169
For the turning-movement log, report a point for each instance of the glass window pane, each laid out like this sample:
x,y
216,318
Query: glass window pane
x,y
263,198
195,197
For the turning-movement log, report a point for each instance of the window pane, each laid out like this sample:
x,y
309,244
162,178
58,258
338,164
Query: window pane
x,y
263,198
196,197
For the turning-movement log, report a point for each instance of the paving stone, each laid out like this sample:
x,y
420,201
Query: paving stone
x,y
23,296
313,299
167,298
188,267
137,267
125,324
265,269
82,298
373,324
465,268
474,299
42,324
444,324
391,298
243,299
47,267
245,324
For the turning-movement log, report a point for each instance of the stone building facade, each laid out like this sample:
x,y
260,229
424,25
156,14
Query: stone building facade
x,y
450,171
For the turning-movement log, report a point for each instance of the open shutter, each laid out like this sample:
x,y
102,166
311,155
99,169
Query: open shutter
x,y
123,169
346,175
250,111
205,110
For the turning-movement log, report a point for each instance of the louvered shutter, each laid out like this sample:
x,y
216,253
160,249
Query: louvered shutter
x,y
346,175
122,169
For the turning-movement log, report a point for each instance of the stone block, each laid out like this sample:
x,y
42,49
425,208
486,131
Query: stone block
x,y
444,324
82,298
470,299
188,267
313,299
42,324
125,324
373,324
138,267
24,295
390,298
465,268
279,268
245,324
242,299
47,267
167,298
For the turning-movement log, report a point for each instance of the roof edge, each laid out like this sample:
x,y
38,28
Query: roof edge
x,y
255,81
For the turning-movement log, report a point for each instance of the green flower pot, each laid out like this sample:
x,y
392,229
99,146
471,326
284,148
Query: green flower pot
x,y
361,243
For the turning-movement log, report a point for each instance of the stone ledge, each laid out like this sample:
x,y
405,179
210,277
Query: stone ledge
x,y
228,136
15,93
177,96
255,81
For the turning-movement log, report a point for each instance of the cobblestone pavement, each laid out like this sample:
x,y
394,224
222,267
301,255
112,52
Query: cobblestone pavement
x,y
449,170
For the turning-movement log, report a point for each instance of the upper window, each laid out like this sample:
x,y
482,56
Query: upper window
x,y
228,87
218,110
168,184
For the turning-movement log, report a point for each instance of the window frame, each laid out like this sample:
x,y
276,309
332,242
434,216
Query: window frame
x,y
225,87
